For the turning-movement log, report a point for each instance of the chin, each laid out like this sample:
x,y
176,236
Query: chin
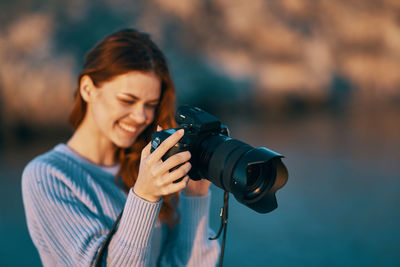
x,y
124,143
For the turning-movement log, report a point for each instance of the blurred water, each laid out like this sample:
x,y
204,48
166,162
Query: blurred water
x,y
339,207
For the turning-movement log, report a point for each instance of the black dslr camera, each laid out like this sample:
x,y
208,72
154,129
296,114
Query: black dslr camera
x,y
252,175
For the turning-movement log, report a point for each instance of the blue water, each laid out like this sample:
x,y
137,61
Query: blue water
x,y
339,207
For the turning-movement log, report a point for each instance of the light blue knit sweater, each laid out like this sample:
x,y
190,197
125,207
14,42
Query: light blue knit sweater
x,y
71,204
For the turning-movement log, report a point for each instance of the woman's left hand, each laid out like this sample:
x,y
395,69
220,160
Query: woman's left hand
x,y
196,188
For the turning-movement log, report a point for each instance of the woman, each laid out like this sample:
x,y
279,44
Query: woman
x,y
74,193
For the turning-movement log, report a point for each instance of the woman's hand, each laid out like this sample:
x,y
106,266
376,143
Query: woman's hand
x,y
154,179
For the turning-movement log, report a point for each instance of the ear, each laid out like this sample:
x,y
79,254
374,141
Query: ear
x,y
86,88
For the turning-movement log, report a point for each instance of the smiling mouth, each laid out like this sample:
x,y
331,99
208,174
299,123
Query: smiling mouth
x,y
127,127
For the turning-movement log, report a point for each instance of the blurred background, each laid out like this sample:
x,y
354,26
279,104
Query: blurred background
x,y
318,81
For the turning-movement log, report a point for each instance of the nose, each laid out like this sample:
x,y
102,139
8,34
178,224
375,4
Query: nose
x,y
138,114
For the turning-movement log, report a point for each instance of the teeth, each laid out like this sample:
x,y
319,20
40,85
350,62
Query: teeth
x,y
127,127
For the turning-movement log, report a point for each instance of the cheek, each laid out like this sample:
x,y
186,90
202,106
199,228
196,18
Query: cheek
x,y
106,112
150,116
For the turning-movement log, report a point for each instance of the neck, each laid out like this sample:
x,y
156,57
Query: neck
x,y
98,150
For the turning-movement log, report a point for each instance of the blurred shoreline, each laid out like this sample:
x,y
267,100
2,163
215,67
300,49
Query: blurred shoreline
x,y
368,133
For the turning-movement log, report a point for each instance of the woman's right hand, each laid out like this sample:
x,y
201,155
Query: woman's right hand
x,y
154,179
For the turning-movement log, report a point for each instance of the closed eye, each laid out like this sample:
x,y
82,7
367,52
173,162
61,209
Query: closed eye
x,y
152,105
127,101
133,101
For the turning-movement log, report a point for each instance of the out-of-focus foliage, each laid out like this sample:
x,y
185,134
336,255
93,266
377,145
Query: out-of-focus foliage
x,y
232,53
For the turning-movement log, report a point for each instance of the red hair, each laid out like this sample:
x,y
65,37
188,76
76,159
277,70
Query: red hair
x,y
119,53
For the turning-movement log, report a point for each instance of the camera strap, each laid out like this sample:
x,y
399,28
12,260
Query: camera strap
x,y
100,254
224,224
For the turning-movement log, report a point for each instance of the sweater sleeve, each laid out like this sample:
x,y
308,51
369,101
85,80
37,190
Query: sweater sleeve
x,y
130,245
188,244
67,233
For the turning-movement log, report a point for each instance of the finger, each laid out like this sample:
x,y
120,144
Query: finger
x,y
175,160
159,128
167,144
176,187
146,150
177,173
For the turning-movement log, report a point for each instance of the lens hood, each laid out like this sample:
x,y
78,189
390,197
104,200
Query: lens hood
x,y
257,190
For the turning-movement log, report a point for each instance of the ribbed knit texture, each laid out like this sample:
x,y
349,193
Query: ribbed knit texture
x,y
71,204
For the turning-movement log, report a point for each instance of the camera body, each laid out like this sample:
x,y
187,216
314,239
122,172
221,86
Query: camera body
x,y
252,175
198,125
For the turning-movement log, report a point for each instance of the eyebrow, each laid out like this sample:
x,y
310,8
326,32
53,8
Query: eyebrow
x,y
137,98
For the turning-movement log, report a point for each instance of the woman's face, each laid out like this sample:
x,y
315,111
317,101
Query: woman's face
x,y
122,108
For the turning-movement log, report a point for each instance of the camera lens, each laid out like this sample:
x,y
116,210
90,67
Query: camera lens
x,y
255,179
252,175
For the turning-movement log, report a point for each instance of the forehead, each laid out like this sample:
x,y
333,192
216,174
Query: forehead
x,y
144,85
